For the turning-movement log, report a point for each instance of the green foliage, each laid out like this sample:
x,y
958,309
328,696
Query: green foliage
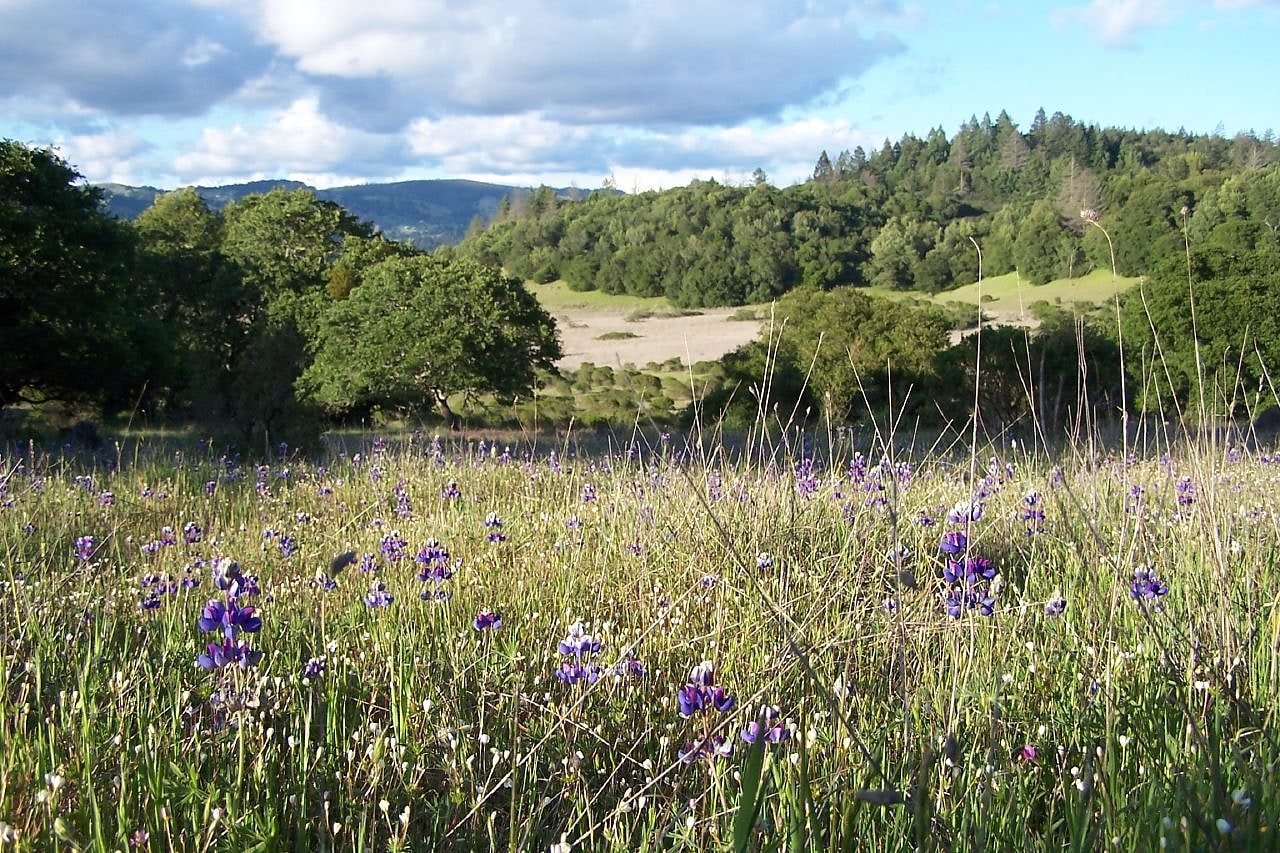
x,y
902,217
286,241
1226,344
423,328
77,325
840,352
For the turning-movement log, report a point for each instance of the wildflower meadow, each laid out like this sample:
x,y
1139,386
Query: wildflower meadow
x,y
845,643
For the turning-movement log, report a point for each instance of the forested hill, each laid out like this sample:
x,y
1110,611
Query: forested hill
x,y
910,216
424,213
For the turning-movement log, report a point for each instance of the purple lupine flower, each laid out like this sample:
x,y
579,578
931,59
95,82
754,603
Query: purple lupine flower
x,y
368,563
314,668
230,618
288,546
1033,513
954,542
965,512
807,481
494,525
192,533
703,674
709,748
770,724
1186,492
968,569
574,523
1147,587
190,576
168,537
965,597
86,547
150,549
691,698
764,561
629,667
1056,606
720,699
588,493
106,499
486,620
210,487
715,486
229,652
578,643
451,492
226,573
378,595
393,546
574,671
324,581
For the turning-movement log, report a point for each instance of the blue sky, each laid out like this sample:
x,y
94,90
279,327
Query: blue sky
x,y
650,93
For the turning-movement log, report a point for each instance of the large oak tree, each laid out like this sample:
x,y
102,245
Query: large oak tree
x,y
419,329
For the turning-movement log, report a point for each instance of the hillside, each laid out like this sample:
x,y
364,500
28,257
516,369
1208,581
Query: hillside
x,y
425,213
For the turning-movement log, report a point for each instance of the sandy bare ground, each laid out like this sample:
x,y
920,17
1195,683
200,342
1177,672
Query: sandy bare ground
x,y
704,337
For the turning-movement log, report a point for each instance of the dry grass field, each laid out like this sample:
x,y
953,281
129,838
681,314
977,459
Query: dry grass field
x,y
628,330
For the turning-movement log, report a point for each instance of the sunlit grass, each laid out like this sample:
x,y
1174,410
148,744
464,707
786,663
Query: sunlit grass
x,y
813,584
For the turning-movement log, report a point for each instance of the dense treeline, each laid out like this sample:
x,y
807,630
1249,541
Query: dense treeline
x,y
912,215
254,321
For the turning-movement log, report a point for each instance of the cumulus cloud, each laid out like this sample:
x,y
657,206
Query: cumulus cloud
x,y
1116,22
692,62
114,156
297,142
149,57
530,148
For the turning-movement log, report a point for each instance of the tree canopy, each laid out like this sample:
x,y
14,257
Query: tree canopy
x,y
76,325
419,329
1208,321
907,216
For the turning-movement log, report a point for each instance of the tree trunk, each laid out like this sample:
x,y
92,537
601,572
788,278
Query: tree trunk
x,y
442,406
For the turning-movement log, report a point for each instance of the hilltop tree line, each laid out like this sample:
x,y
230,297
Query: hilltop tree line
x,y
281,309
910,216
259,318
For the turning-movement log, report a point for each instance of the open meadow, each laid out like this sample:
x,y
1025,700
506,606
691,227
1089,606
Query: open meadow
x,y
620,330
426,645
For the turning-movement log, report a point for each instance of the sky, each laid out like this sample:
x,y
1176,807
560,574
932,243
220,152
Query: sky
x,y
648,94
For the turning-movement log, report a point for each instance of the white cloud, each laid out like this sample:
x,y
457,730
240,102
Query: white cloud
x,y
297,142
688,62
114,156
1116,22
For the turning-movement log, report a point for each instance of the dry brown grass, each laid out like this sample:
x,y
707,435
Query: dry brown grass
x,y
703,337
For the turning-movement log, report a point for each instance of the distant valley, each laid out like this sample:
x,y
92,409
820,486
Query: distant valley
x,y
426,213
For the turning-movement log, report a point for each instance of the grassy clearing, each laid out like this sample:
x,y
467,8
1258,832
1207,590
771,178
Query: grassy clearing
x,y
1094,666
556,298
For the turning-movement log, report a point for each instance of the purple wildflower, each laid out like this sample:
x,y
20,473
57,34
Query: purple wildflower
x,y
378,595
487,620
86,547
1147,587
288,546
494,525
770,724
229,652
954,542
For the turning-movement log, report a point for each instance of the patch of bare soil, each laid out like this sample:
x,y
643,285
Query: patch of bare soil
x,y
703,337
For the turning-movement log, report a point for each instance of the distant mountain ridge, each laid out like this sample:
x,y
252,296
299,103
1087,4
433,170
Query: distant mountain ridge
x,y
426,213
